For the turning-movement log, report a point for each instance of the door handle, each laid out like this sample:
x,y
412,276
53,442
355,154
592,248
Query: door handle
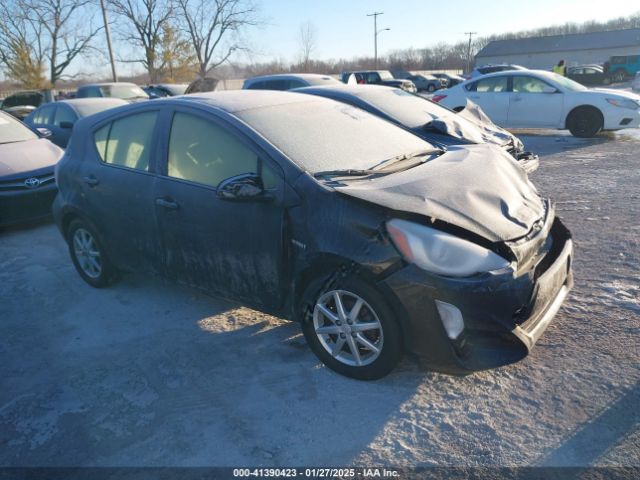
x,y
475,97
167,203
91,180
517,99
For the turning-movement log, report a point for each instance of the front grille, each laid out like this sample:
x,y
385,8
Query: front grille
x,y
21,183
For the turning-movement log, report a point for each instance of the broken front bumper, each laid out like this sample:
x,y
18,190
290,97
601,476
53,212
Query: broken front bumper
x,y
504,314
528,161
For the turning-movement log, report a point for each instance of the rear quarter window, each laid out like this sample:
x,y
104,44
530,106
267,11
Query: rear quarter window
x,y
126,142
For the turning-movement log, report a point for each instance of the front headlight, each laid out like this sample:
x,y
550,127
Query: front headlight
x,y
624,103
441,253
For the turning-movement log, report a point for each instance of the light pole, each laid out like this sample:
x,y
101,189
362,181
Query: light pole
x,y
376,42
108,33
469,50
375,35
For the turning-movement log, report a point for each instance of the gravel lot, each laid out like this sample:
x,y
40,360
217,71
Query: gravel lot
x,y
147,373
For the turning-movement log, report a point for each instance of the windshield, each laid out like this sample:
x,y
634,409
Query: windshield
x,y
11,130
410,110
176,89
86,109
384,75
568,83
125,92
325,135
322,81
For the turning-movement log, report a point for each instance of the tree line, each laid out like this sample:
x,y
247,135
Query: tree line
x,y
176,40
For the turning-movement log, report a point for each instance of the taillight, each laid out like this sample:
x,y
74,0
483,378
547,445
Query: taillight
x,y
437,98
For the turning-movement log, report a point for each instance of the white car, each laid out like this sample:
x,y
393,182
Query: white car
x,y
636,83
540,99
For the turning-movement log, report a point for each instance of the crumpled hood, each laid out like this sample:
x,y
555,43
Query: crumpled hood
x,y
479,188
472,124
21,157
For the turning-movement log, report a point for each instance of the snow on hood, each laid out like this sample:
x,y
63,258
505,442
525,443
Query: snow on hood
x,y
479,188
617,93
20,157
474,125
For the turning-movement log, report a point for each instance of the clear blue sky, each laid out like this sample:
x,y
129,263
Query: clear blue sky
x,y
344,30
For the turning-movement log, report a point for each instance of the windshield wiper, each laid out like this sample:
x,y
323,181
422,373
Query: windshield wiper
x,y
383,168
385,164
346,173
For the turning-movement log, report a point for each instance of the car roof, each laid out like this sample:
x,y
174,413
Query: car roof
x,y
346,89
303,76
543,73
106,84
232,101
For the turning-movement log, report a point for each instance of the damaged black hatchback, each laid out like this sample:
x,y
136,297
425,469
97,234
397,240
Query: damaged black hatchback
x,y
378,242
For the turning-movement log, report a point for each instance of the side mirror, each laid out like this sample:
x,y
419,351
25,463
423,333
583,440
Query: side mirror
x,y
66,125
44,132
549,89
245,187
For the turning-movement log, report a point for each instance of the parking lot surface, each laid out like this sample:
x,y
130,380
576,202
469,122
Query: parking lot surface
x,y
149,373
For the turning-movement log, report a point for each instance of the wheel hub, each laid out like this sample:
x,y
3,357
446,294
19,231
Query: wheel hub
x,y
348,328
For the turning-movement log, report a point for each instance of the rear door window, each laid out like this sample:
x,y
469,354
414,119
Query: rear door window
x,y
256,86
126,142
276,84
490,85
44,115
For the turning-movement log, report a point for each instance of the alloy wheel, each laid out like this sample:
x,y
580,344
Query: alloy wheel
x,y
87,253
348,328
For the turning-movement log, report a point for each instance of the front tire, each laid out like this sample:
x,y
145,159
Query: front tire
x,y
585,122
431,88
88,255
351,328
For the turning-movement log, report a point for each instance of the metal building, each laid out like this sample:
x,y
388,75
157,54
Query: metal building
x,y
544,52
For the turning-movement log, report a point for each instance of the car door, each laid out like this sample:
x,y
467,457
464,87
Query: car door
x,y
593,76
492,95
117,178
233,248
62,124
534,103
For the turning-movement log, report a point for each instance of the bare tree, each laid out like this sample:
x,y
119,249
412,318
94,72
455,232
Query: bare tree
x,y
214,28
145,23
66,28
21,50
307,42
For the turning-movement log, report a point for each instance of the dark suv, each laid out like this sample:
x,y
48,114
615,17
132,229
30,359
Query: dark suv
x,y
21,104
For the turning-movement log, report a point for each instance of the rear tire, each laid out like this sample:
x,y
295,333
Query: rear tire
x,y
585,122
89,256
348,316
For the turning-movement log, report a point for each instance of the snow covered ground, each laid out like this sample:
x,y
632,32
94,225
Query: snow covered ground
x,y
147,373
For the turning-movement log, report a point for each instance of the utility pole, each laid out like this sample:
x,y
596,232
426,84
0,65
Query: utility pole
x,y
471,34
106,30
375,35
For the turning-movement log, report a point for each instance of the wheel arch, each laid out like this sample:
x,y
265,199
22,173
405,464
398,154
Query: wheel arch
x,y
326,265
